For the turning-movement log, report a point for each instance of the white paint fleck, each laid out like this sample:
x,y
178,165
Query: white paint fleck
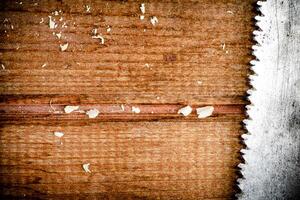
x,y
56,13
3,66
44,65
122,108
93,113
42,20
185,111
147,65
52,24
69,109
64,25
87,8
101,38
58,134
108,29
204,112
230,12
135,109
223,46
142,17
199,82
58,35
154,20
94,31
143,8
64,47
86,167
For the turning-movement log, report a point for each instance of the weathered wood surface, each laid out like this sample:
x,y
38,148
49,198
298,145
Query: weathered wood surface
x,y
154,154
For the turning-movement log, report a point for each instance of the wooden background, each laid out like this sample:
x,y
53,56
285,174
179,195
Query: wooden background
x,y
154,154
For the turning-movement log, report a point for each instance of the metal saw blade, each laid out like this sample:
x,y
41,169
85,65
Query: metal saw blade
x,y
271,168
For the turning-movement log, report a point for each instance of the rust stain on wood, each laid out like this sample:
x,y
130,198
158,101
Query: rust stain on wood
x,y
154,154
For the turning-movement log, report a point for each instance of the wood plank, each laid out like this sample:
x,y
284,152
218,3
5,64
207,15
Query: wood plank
x,y
156,154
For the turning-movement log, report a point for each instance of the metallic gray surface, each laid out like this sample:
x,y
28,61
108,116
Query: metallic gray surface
x,y
272,156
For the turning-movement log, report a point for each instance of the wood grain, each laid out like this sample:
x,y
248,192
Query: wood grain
x,y
156,154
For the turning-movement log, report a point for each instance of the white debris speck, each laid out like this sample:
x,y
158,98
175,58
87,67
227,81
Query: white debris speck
x,y
122,107
58,35
226,51
94,31
42,20
20,2
64,25
185,111
147,65
223,46
61,18
87,8
204,112
64,47
230,12
154,20
142,8
69,109
142,17
135,109
58,134
44,65
52,24
12,27
99,37
56,13
86,167
93,113
3,67
199,82
157,98
108,29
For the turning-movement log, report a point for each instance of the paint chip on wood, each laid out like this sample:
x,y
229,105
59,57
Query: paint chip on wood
x,y
93,113
69,109
101,38
58,35
204,112
87,8
52,24
143,8
64,47
135,109
86,167
185,111
122,108
154,20
58,134
3,66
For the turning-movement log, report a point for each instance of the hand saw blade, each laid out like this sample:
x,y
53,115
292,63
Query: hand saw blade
x,y
271,168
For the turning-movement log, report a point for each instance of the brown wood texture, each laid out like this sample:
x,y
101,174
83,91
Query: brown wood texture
x,y
156,154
